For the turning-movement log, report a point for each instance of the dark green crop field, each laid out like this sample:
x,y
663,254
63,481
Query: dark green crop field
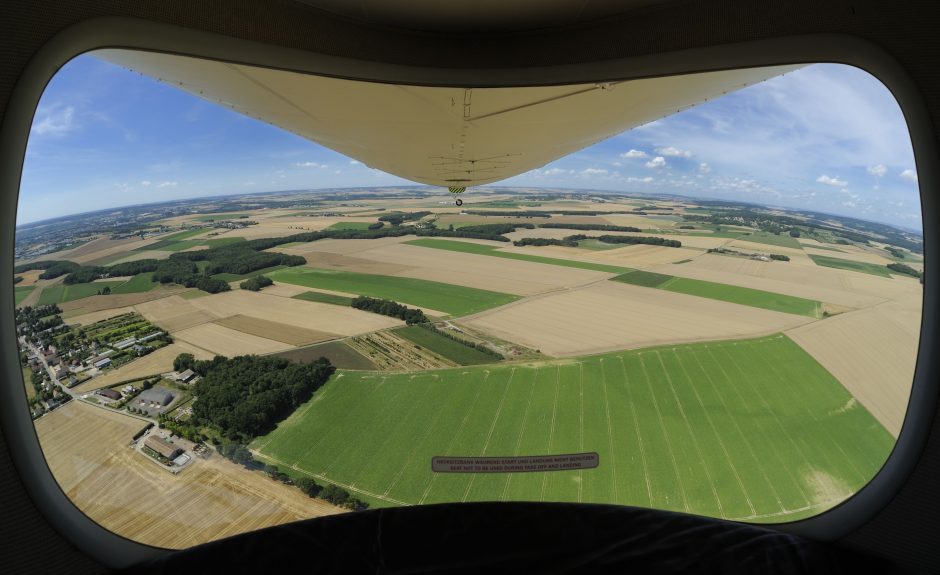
x,y
750,429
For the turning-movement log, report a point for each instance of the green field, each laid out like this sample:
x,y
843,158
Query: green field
x,y
171,239
724,292
321,297
20,293
842,264
350,226
139,283
451,299
481,249
783,240
750,429
448,348
820,247
340,355
62,293
241,277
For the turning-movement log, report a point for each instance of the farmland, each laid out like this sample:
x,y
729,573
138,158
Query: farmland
x,y
86,449
474,248
457,352
21,292
844,264
724,292
457,300
720,429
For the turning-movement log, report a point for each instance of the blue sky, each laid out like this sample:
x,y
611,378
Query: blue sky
x,y
829,138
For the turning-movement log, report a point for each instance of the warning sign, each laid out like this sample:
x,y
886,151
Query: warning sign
x,y
519,464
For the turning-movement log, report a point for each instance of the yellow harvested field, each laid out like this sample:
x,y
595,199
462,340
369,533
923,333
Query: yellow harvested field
x,y
29,278
285,290
160,361
229,342
92,317
517,277
88,451
282,332
96,249
102,302
329,260
175,313
840,287
306,314
608,316
758,247
873,353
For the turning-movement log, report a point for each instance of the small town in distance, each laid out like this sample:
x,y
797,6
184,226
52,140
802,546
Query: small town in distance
x,y
308,353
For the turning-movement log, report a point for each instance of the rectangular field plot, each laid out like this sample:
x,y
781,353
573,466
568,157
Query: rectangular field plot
x,y
481,249
844,264
450,349
452,299
21,292
746,429
724,292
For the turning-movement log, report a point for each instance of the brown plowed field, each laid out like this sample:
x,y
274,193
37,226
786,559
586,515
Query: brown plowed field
x,y
87,449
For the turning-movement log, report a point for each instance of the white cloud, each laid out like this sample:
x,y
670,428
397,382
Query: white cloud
x,y
311,165
704,168
593,172
634,154
909,175
878,170
553,171
167,184
56,122
145,183
645,180
657,162
674,152
824,179
354,162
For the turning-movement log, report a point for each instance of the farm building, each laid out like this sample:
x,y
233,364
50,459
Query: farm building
x,y
163,447
61,373
125,343
155,398
186,376
105,362
109,393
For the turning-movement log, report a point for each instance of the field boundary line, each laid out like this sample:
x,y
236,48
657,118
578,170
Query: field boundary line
x,y
688,426
489,435
636,427
525,418
724,448
747,443
826,427
551,432
414,450
776,418
453,438
296,467
662,426
610,435
580,425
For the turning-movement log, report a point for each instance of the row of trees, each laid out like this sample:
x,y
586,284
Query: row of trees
x,y
649,240
905,269
599,227
540,242
390,308
397,218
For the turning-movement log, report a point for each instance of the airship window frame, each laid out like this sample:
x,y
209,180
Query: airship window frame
x,y
117,551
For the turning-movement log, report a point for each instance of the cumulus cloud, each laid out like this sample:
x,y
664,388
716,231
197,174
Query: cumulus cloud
x,y
354,162
145,183
56,122
704,168
310,165
634,154
878,170
593,172
674,152
909,175
167,184
824,179
553,172
645,180
657,162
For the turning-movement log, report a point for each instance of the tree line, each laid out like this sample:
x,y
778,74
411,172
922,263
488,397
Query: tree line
x,y
599,227
390,308
477,346
256,283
